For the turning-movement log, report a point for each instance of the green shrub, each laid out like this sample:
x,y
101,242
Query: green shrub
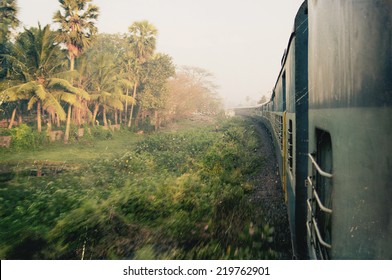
x,y
24,137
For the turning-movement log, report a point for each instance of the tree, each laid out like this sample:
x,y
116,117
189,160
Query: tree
x,y
8,19
37,62
142,42
106,86
77,28
118,47
191,91
159,70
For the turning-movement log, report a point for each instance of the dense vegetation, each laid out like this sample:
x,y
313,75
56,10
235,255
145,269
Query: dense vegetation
x,y
67,74
172,195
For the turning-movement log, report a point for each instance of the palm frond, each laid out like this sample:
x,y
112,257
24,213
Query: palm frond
x,y
27,88
40,92
125,98
94,96
9,94
52,102
18,66
106,94
126,84
31,103
64,85
68,97
115,104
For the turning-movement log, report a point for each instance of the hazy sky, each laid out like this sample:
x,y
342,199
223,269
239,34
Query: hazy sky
x,y
240,41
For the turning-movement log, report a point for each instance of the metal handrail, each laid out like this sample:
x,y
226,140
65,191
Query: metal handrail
x,y
322,242
313,221
309,206
322,207
320,171
320,204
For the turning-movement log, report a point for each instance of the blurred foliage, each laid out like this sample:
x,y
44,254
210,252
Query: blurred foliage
x,y
24,137
170,196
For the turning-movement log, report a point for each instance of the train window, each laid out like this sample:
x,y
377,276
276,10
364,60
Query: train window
x,y
290,146
280,124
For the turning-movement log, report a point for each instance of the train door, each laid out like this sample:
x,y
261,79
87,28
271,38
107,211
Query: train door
x,y
319,201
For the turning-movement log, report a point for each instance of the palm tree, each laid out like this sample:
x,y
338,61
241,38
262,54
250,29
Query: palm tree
x,y
77,28
106,86
37,63
130,73
142,44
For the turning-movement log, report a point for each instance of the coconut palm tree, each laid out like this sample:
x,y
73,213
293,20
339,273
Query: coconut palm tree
x,y
38,62
77,26
142,43
106,86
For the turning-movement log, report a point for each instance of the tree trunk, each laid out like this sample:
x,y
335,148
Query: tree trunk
x,y
67,128
138,116
72,61
78,111
126,107
116,117
132,105
96,108
39,122
12,118
58,120
105,121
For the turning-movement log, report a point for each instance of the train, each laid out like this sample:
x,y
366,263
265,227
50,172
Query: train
x,y
330,114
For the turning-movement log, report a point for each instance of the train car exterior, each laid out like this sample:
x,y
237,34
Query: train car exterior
x,y
350,109
330,114
288,120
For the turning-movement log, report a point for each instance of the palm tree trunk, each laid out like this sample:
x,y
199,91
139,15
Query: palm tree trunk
x,y
67,128
132,105
58,120
12,118
126,107
39,121
96,108
105,121
72,61
78,112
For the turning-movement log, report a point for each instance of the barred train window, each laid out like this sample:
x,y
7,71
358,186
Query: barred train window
x,y
290,145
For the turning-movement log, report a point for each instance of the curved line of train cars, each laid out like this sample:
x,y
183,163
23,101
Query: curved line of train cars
x,y
330,113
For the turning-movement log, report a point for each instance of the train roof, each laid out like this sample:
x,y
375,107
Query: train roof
x,y
303,7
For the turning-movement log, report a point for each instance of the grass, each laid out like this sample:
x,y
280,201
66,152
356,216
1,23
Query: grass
x,y
175,195
78,152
